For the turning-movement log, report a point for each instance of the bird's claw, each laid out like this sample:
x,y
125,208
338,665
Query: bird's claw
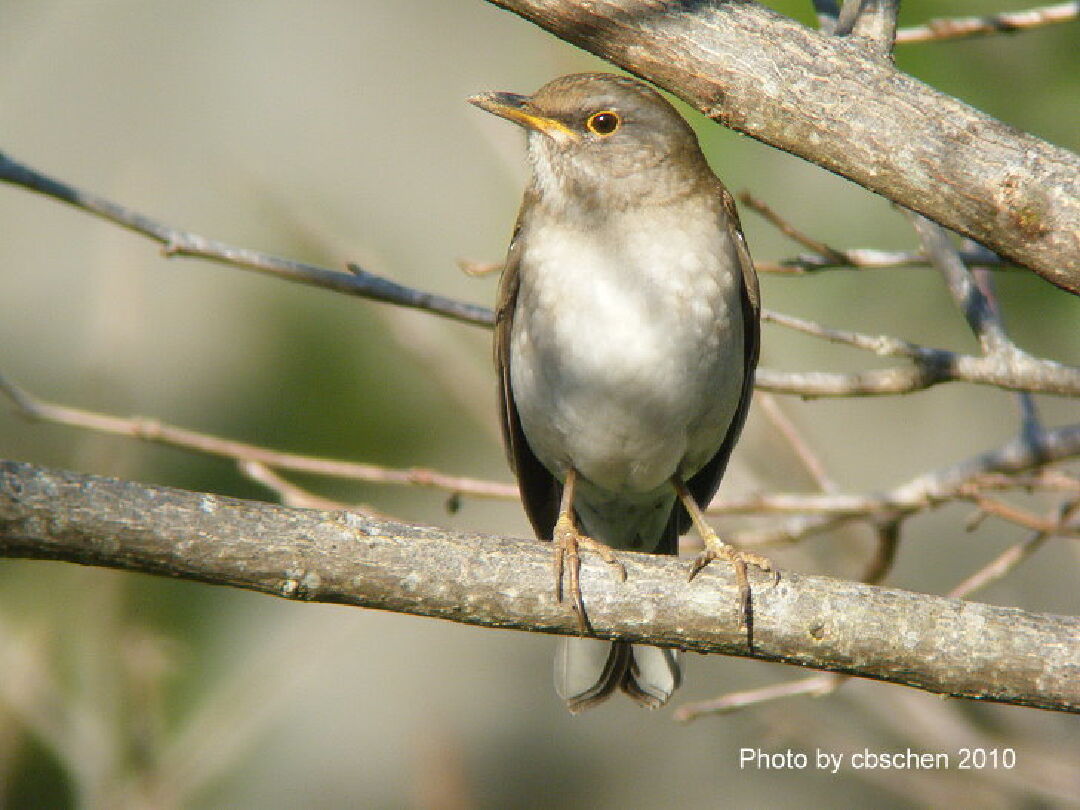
x,y
568,544
716,549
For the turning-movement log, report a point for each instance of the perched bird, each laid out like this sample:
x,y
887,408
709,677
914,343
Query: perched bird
x,y
626,340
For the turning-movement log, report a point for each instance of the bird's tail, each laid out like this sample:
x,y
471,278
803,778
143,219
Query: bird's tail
x,y
587,671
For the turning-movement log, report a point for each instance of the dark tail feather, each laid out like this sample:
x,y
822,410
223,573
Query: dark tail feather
x,y
653,675
587,671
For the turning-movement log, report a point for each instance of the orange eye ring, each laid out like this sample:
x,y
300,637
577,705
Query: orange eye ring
x,y
604,122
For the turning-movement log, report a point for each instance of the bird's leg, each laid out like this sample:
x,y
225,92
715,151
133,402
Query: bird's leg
x,y
568,543
715,549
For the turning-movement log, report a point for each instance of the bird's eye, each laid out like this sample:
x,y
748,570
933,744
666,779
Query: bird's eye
x,y
603,123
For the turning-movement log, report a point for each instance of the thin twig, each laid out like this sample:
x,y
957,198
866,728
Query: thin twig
x,y
881,345
357,282
1030,424
815,686
1013,514
826,257
823,512
479,269
888,542
820,248
1012,556
1003,364
1005,22
973,291
871,259
292,495
798,443
1022,372
1000,566
972,300
1045,480
152,430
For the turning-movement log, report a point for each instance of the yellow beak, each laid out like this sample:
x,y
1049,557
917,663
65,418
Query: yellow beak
x,y
515,108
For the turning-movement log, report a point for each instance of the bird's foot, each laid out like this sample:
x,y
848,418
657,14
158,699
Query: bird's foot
x,y
717,549
568,545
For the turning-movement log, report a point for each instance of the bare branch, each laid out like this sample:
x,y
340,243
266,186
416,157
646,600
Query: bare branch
x,y
972,301
1048,378
1013,514
290,494
825,257
834,257
870,259
1011,557
825,511
932,643
881,345
152,430
848,110
1045,480
800,446
814,686
1004,22
357,282
1005,366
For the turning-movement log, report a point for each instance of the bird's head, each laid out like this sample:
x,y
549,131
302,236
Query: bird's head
x,y
604,139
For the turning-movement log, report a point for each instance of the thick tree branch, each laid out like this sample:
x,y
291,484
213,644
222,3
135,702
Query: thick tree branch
x,y
938,644
842,105
820,685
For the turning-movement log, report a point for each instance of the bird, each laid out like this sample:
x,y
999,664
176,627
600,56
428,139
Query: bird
x,y
626,338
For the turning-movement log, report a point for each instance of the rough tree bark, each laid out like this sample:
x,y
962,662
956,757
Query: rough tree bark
x,y
934,643
840,103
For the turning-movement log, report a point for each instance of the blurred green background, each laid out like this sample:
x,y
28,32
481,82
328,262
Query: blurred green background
x,y
337,131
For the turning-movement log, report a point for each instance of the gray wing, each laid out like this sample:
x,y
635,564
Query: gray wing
x,y
540,490
706,481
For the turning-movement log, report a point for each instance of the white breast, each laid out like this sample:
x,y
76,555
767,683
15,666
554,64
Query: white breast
x,y
626,352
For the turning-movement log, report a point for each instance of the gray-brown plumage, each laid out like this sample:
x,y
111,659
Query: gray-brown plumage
x,y
626,340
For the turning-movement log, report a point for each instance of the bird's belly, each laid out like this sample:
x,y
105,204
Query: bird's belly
x,y
629,380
